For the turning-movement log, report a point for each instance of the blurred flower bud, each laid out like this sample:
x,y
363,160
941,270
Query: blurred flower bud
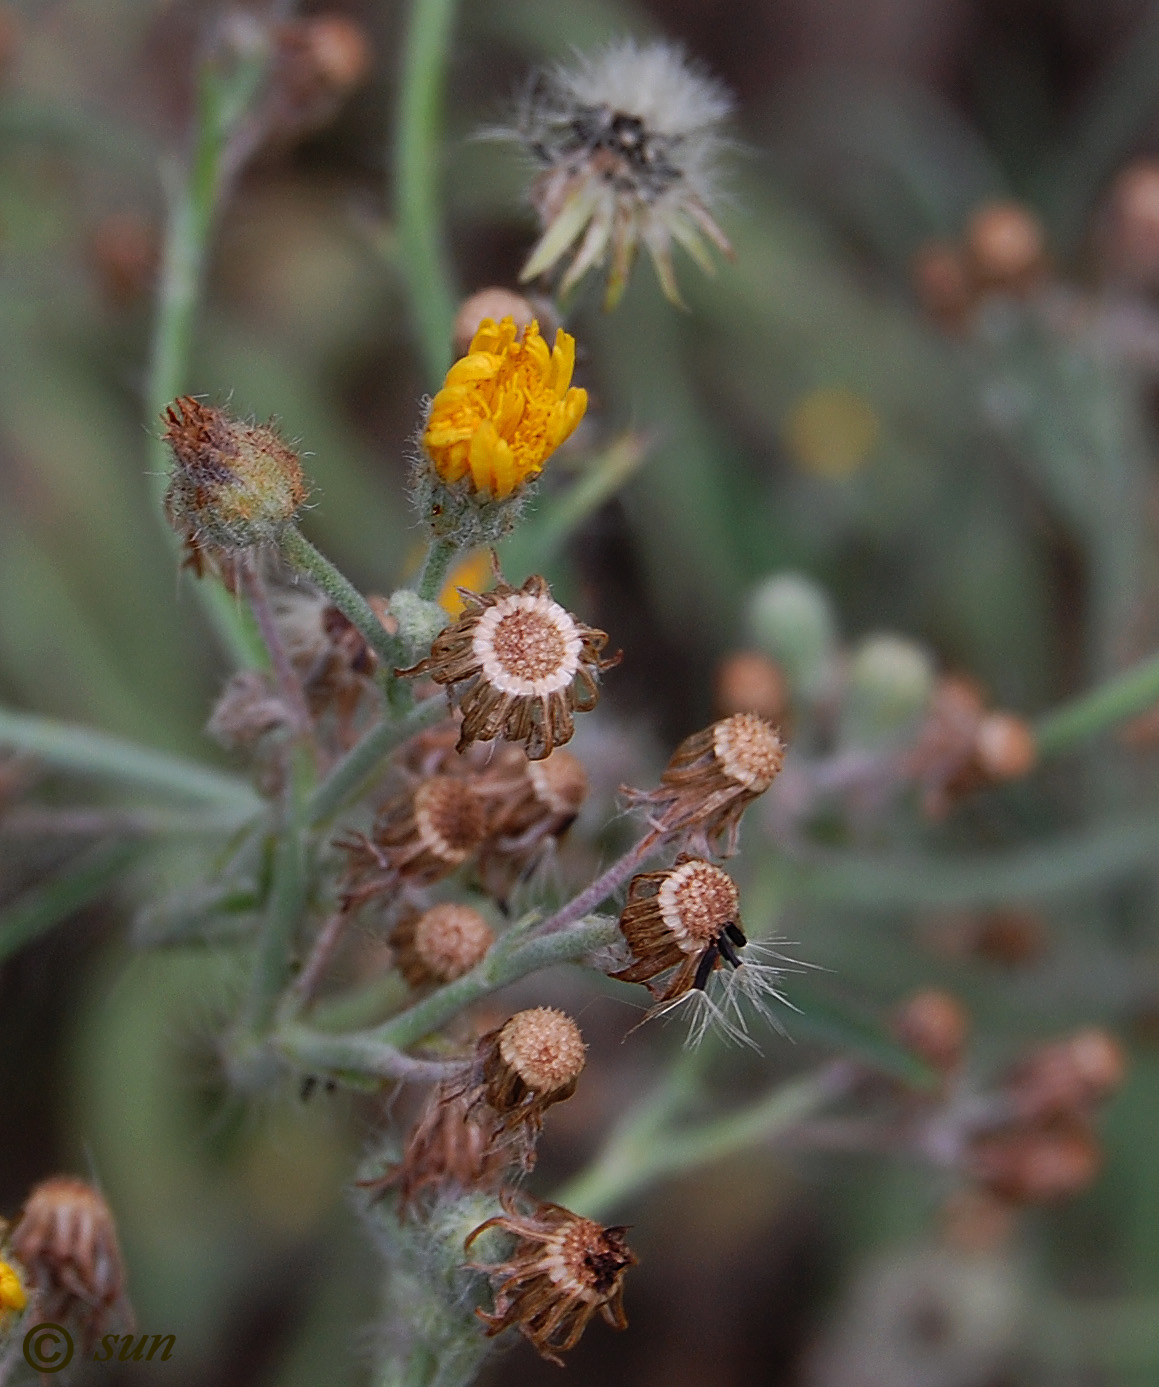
x,y
934,1025
889,685
749,682
233,485
942,283
790,619
977,1221
1068,1076
831,432
1010,937
1006,246
1037,1165
1133,221
319,62
495,303
1004,746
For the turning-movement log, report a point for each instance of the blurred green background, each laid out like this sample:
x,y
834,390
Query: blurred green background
x,y
989,493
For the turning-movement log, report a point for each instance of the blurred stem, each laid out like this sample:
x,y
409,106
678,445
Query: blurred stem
x,y
223,101
69,890
641,1150
440,555
1122,697
514,956
364,758
83,751
285,906
418,148
301,555
285,675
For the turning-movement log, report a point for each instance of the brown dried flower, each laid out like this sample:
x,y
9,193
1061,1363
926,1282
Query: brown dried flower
x,y
934,1025
423,834
747,681
713,776
66,1240
533,806
1039,1164
1069,1076
532,1061
440,944
685,918
520,665
1006,244
561,1271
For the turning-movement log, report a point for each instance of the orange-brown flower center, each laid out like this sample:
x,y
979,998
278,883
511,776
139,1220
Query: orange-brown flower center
x,y
696,902
450,939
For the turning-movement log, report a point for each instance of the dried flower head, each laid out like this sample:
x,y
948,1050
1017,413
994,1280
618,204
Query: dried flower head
x,y
520,665
440,944
935,1026
562,1269
422,835
532,1061
12,1296
233,485
681,924
248,708
713,776
943,282
66,1240
1006,245
628,142
503,410
450,1147
533,806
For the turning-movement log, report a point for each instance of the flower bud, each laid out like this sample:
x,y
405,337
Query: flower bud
x,y
890,684
1006,244
233,485
495,303
934,1025
790,619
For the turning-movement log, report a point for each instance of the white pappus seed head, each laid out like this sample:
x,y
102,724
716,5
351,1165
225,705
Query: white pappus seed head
x,y
629,143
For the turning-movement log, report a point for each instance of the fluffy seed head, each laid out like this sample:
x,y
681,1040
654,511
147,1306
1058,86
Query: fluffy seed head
x,y
503,410
696,901
628,142
450,939
233,485
544,1048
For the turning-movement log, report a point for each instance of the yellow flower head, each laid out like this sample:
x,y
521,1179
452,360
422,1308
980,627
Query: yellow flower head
x,y
12,1295
504,408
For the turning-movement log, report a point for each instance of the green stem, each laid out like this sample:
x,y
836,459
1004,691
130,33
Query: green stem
x,y
83,751
1122,697
301,555
223,101
365,757
641,1151
418,141
440,555
284,909
508,961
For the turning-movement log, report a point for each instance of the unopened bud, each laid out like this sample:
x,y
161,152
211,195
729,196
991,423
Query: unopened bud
x,y
495,303
790,619
934,1025
890,685
1006,245
233,485
1037,1165
749,682
1005,746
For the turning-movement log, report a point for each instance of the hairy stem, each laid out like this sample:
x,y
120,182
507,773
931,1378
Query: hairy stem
x,y
440,555
603,886
418,142
1119,698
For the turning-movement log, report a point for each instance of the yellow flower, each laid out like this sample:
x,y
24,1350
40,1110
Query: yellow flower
x,y
472,571
12,1295
504,408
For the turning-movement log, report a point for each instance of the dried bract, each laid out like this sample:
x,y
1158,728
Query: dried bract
x,y
562,1270
629,143
713,776
66,1240
533,806
519,665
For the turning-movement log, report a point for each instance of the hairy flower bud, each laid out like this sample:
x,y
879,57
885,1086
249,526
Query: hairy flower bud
x,y
233,485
